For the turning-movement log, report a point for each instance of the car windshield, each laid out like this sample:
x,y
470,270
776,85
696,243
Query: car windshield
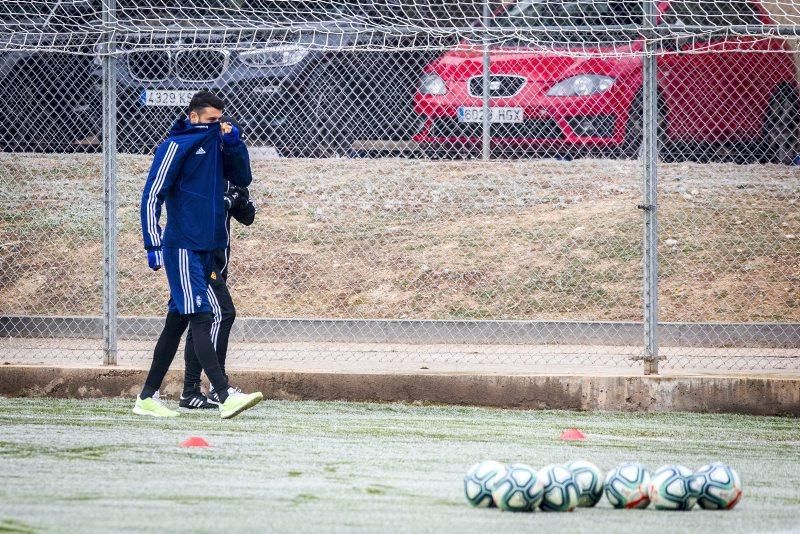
x,y
571,21
61,16
204,12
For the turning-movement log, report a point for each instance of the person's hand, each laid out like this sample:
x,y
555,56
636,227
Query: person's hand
x,y
233,199
243,192
155,259
230,134
236,197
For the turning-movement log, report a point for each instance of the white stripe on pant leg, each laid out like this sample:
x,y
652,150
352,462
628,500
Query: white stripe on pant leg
x,y
212,299
186,283
189,280
183,281
209,294
217,319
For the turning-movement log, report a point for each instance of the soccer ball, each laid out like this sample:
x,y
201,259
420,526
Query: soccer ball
x,y
670,490
626,486
517,489
478,483
560,492
717,486
589,480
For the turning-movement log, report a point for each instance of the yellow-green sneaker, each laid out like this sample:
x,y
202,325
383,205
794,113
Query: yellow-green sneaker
x,y
152,407
237,402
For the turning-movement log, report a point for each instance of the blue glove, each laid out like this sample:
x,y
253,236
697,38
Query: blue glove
x,y
233,138
155,259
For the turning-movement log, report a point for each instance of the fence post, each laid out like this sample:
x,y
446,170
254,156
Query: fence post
x,y
650,194
487,124
109,188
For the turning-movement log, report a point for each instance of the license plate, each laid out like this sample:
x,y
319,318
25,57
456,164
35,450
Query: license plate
x,y
466,114
166,98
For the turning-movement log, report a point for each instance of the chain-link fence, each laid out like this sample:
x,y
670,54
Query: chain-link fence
x,y
519,187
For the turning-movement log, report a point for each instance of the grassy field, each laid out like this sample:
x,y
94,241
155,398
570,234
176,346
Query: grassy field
x,y
393,238
92,466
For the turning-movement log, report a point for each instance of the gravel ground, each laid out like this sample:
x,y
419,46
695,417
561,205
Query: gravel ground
x,y
393,238
92,466
388,358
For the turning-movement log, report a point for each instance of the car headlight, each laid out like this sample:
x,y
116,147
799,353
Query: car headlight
x,y
432,84
279,56
581,85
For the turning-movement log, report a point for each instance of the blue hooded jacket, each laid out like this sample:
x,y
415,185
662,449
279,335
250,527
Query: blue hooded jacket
x,y
187,173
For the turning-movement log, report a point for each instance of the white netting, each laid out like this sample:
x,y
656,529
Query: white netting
x,y
583,26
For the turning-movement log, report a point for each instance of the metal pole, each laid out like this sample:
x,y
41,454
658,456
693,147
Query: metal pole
x,y
109,188
650,197
487,124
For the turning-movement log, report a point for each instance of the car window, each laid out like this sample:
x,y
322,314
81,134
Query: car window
x,y
19,10
61,16
566,20
210,11
717,13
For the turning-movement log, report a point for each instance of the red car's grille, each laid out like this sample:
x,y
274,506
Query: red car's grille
x,y
529,129
500,85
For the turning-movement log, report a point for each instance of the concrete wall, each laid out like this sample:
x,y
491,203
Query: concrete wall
x,y
712,394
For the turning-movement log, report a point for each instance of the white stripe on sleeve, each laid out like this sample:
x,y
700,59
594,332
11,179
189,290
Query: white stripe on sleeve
x,y
155,189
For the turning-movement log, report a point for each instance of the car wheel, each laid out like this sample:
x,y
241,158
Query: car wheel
x,y
322,125
781,138
634,131
32,124
333,110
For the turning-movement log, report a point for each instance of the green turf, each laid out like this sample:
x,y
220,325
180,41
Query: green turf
x,y
93,466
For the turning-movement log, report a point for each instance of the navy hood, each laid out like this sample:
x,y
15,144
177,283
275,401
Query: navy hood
x,y
185,127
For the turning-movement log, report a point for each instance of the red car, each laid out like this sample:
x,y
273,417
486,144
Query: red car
x,y
712,91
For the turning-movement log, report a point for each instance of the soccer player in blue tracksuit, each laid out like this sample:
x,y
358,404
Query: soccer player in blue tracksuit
x,y
188,174
241,208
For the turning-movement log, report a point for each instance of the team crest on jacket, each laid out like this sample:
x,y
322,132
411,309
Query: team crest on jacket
x,y
213,275
198,301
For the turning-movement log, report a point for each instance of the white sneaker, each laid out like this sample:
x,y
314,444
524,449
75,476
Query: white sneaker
x,y
213,398
152,407
238,402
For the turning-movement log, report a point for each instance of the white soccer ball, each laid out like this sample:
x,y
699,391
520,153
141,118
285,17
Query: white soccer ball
x,y
560,493
670,490
517,489
627,486
589,480
717,486
478,483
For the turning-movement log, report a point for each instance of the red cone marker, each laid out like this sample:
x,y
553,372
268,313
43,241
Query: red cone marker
x,y
573,434
195,441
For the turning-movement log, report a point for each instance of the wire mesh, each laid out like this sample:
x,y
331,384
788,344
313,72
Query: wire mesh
x,y
383,241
